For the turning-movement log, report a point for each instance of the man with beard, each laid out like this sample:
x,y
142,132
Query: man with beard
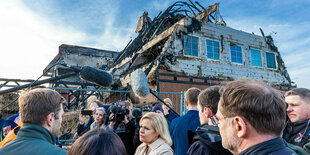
x,y
41,111
251,118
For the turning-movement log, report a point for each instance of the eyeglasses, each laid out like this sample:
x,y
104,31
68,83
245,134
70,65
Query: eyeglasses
x,y
214,120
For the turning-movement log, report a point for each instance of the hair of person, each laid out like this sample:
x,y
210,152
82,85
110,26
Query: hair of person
x,y
98,142
99,103
210,98
260,104
168,101
36,104
160,125
304,93
101,109
191,95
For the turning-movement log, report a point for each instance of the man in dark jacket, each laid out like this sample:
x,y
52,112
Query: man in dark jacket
x,y
41,111
297,130
180,126
251,118
208,142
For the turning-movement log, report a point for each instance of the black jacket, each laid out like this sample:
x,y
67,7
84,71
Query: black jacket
x,y
207,143
272,147
292,133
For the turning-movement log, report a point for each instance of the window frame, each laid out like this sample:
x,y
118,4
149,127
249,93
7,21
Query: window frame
x,y
219,45
242,57
261,58
191,44
275,61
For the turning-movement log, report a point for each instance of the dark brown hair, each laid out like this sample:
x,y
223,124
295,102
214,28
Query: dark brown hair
x,y
260,104
191,95
36,104
210,98
98,142
304,93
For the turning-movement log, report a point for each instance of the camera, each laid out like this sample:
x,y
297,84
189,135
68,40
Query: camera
x,y
86,112
119,113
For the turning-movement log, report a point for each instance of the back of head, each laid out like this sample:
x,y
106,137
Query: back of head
x,y
168,101
210,98
304,93
157,107
160,125
36,104
98,142
261,105
191,95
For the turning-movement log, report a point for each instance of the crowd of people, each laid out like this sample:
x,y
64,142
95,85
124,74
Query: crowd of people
x,y
243,117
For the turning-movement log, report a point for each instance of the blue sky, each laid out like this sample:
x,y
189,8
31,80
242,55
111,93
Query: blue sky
x,y
32,30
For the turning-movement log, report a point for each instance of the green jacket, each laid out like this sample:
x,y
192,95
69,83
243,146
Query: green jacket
x,y
33,140
307,147
295,148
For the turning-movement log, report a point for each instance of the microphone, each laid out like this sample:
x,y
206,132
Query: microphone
x,y
114,109
139,84
140,87
136,113
97,76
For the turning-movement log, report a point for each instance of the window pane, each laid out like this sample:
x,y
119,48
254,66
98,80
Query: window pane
x,y
256,58
270,58
216,44
190,45
209,43
195,52
187,52
194,40
210,55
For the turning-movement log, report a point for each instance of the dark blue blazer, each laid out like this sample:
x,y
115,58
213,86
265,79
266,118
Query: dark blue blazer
x,y
178,130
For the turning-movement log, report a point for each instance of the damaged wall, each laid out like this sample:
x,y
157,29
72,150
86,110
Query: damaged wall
x,y
201,66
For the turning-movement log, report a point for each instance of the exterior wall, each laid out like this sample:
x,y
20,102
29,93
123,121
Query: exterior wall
x,y
224,68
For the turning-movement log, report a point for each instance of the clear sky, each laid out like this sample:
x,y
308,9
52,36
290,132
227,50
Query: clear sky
x,y
32,30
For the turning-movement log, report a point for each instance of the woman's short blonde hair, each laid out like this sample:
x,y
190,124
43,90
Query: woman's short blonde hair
x,y
159,123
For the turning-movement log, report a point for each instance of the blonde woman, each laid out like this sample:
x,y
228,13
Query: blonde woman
x,y
99,117
83,126
154,135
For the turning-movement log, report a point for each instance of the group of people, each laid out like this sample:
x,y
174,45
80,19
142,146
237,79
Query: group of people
x,y
243,117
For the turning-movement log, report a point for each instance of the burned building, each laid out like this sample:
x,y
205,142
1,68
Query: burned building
x,y
188,45
78,56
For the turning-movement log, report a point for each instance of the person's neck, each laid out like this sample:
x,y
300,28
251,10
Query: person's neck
x,y
253,140
192,107
98,124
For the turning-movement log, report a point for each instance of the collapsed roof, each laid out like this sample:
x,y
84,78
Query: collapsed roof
x,y
149,49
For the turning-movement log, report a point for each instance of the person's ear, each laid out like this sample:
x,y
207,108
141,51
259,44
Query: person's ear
x,y
50,118
240,126
207,112
186,103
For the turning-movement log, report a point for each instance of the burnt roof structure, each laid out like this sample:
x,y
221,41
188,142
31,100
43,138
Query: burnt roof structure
x,y
161,46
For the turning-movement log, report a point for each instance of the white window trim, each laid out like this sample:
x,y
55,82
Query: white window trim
x,y
198,44
275,60
261,58
220,55
236,63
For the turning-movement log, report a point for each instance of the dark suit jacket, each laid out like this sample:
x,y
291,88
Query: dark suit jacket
x,y
178,130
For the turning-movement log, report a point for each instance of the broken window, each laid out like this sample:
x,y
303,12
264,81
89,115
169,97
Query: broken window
x,y
213,49
256,58
236,54
270,60
190,46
